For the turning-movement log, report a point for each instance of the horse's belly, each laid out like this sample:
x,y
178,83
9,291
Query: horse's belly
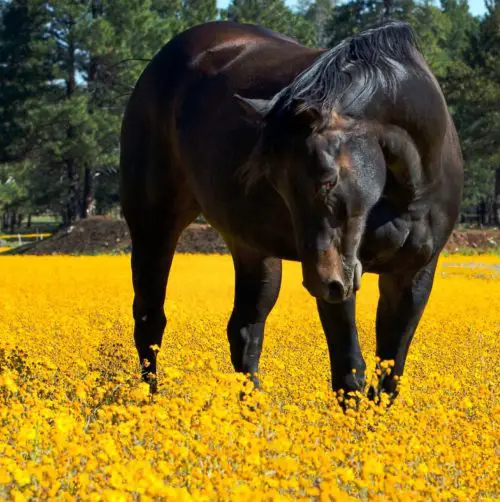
x,y
259,223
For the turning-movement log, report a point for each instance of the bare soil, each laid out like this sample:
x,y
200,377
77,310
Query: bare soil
x,y
102,235
479,239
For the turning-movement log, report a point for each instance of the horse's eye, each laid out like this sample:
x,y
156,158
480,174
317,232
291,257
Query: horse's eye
x,y
326,186
330,185
328,178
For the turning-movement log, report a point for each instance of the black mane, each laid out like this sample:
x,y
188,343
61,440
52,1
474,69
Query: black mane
x,y
349,74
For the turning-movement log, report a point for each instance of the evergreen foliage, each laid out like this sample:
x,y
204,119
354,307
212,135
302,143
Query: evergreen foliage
x,y
68,66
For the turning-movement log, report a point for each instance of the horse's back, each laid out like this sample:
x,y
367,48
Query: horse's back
x,y
209,35
241,53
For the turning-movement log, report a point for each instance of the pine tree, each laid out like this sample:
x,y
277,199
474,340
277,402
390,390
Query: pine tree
x,y
23,76
199,11
274,15
67,68
478,115
70,129
318,13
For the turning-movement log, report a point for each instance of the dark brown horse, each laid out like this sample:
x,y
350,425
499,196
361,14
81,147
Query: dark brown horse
x,y
346,160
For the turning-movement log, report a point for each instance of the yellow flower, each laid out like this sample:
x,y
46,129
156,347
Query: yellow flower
x,y
141,392
5,477
422,468
76,421
8,382
21,477
372,466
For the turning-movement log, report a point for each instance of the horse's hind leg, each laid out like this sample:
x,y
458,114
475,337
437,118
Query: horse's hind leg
x,y
402,302
154,239
157,204
258,281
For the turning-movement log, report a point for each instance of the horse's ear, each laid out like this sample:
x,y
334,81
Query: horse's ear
x,y
309,115
406,164
255,108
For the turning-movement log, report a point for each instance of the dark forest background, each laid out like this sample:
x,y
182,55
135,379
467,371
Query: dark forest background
x,y
67,68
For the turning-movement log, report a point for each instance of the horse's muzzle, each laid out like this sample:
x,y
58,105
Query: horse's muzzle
x,y
335,287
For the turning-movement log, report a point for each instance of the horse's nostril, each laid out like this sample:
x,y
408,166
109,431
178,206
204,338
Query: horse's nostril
x,y
336,290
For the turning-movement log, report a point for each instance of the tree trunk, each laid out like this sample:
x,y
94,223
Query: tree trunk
x,y
64,217
482,213
72,203
13,221
87,197
88,188
28,221
497,196
387,9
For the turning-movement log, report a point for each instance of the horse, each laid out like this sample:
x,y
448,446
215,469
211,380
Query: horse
x,y
345,159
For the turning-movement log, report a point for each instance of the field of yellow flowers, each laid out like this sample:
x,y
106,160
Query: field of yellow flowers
x,y
76,423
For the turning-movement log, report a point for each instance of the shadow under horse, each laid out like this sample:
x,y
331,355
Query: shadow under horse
x,y
346,160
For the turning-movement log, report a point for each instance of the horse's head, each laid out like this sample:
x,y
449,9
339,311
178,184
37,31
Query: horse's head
x,y
330,171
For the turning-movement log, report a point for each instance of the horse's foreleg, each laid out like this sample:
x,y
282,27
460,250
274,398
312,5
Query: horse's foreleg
x,y
258,281
346,360
402,302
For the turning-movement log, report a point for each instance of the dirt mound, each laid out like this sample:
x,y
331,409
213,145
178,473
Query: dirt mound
x,y
199,238
102,235
480,239
91,236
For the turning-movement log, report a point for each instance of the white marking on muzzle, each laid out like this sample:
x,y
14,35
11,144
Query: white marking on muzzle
x,y
358,270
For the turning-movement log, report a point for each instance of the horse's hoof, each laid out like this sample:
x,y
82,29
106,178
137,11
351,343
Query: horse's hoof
x,y
153,386
349,389
349,400
256,382
251,387
373,394
381,396
151,380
